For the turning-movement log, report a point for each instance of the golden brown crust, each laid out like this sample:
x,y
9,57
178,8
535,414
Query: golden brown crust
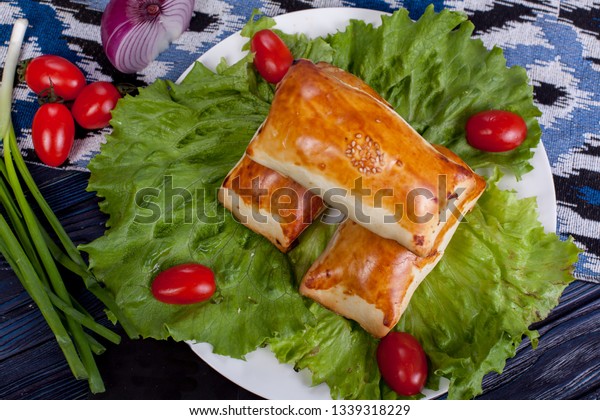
x,y
370,279
269,203
366,278
351,80
327,129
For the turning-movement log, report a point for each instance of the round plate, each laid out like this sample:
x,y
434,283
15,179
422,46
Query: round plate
x,y
261,373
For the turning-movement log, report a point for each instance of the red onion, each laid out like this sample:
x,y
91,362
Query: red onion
x,y
134,32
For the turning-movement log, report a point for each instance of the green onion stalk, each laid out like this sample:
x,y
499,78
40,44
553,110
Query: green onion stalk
x,y
35,257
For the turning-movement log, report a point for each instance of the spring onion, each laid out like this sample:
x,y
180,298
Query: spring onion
x,y
134,32
34,256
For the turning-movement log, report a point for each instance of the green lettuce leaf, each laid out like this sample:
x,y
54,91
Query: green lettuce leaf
x,y
172,145
336,351
158,173
500,273
434,74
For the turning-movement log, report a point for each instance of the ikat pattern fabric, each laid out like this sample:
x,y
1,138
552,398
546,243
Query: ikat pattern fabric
x,y
557,42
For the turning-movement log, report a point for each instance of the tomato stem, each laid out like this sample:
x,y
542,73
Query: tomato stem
x,y
49,96
127,89
22,69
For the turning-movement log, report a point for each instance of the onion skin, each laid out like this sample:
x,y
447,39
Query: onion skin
x,y
134,32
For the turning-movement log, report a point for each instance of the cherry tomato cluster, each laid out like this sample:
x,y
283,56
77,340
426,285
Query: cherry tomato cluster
x,y
58,81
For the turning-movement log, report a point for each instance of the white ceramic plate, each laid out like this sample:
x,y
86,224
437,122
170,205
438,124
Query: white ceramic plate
x,y
261,373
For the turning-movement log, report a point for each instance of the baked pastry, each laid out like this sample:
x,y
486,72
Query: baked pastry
x,y
370,279
331,133
365,277
269,203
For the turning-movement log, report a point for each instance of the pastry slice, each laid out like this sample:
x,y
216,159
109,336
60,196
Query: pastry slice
x,y
329,131
269,203
370,279
365,277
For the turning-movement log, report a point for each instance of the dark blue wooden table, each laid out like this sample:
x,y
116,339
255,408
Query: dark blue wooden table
x,y
566,364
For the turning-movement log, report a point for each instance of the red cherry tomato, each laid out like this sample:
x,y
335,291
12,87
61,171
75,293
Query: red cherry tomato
x,y
496,131
92,107
53,132
272,57
402,363
51,70
184,284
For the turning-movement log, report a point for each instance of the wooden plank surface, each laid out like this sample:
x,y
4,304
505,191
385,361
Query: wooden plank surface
x,y
566,364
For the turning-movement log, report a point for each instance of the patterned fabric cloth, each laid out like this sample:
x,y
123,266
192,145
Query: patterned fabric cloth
x,y
556,41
